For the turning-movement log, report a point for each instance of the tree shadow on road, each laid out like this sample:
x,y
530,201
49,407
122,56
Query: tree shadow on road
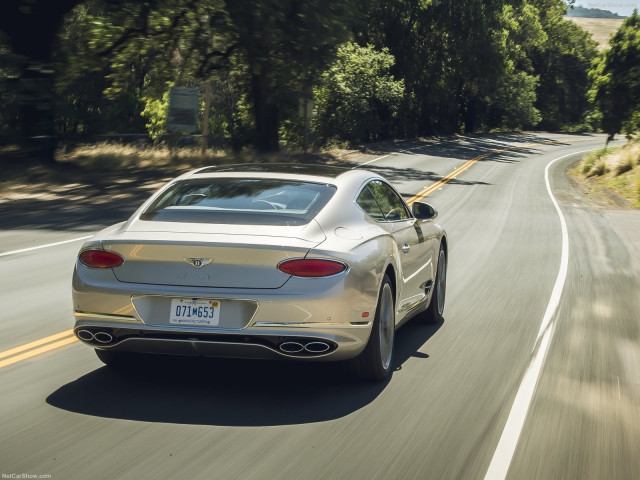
x,y
82,199
86,200
229,392
466,146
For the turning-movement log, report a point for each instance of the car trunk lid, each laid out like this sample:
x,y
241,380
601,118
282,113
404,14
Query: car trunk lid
x,y
220,256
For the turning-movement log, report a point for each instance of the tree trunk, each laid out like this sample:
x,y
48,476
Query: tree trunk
x,y
205,118
30,28
36,112
265,109
469,115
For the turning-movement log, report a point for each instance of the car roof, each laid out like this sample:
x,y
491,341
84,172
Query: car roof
x,y
332,174
331,171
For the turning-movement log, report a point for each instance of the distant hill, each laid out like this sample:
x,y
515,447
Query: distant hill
x,y
601,29
591,13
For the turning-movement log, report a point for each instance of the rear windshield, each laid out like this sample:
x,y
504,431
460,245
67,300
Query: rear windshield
x,y
240,201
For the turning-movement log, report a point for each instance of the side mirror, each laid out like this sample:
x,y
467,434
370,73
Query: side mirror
x,y
423,211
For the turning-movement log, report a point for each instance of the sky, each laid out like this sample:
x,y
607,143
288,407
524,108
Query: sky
x,y
621,7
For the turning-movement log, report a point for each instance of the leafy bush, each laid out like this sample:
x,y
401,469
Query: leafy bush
x,y
155,112
357,98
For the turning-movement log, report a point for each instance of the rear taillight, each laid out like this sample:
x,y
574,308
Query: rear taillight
x,y
100,259
312,267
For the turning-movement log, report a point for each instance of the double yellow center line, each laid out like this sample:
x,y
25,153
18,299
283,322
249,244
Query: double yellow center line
x,y
447,178
14,355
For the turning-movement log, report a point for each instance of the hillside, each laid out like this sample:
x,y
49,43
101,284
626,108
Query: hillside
x,y
600,28
591,13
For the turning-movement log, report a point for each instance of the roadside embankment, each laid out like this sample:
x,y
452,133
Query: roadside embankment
x,y
611,175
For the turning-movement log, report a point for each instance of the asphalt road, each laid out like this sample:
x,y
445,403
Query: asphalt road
x,y
448,410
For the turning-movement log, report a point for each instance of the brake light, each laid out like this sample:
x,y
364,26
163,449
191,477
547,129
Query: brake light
x,y
100,259
312,267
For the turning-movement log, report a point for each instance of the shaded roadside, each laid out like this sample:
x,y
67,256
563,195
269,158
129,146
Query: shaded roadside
x,y
90,192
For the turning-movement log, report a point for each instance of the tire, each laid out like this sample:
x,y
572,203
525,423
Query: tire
x,y
375,361
114,359
435,311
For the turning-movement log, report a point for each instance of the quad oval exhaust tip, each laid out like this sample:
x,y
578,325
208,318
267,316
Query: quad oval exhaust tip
x,y
85,335
316,347
291,347
94,337
103,337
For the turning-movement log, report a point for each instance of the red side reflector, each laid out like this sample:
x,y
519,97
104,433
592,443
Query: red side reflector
x,y
312,267
100,259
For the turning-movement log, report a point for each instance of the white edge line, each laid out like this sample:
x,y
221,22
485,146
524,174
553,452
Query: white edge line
x,y
406,150
44,246
371,161
505,450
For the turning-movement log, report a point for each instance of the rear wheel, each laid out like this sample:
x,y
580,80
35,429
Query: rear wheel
x,y
374,363
435,311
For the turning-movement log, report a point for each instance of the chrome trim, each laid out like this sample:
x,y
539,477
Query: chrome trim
x,y
309,324
107,317
198,262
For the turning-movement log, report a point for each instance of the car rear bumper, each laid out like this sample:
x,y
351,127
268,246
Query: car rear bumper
x,y
333,314
308,342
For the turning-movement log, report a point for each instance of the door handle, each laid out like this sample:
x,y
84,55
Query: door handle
x,y
406,248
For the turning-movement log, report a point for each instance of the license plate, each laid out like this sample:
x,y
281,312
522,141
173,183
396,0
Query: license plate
x,y
189,311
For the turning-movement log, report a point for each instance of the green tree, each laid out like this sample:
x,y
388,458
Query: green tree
x,y
616,80
273,51
562,64
456,59
512,106
285,44
132,53
357,98
83,78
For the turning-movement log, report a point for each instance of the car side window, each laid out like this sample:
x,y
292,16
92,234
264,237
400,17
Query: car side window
x,y
367,203
392,206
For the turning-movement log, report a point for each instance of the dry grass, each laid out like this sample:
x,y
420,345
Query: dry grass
x,y
119,156
627,161
601,29
600,168
95,163
592,162
114,155
616,169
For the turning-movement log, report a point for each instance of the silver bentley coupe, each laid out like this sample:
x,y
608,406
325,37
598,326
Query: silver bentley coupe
x,y
263,261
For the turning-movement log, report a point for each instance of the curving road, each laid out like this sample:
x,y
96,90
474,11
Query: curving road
x,y
532,375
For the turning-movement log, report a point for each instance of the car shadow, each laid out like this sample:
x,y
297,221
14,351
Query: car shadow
x,y
229,392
